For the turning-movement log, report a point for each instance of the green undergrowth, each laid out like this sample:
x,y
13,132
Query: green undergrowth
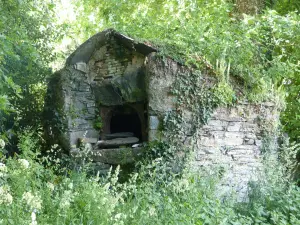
x,y
34,192
262,50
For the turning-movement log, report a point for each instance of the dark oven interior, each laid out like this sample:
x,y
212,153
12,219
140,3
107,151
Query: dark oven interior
x,y
123,125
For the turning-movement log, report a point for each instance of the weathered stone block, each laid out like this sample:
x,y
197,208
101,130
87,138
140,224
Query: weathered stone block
x,y
209,150
153,122
245,147
248,141
246,160
84,87
91,110
100,54
250,136
258,143
234,126
208,141
239,152
117,142
213,128
187,114
202,156
117,156
215,125
81,66
218,123
83,126
217,134
78,121
268,104
231,141
234,134
119,135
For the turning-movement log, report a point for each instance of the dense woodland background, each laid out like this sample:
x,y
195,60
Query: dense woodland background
x,y
257,41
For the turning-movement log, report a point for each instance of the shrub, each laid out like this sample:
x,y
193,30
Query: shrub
x,y
33,194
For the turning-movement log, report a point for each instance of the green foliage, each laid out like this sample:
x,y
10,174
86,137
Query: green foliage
x,y
224,93
197,96
291,116
98,123
290,157
286,6
193,93
223,90
28,32
32,194
262,52
273,199
249,43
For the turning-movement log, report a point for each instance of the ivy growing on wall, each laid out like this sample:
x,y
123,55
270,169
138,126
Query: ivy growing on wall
x,y
197,96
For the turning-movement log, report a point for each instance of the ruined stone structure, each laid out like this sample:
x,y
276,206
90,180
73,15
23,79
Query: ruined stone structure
x,y
114,93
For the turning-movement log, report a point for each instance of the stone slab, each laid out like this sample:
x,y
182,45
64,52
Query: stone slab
x,y
117,156
118,135
117,142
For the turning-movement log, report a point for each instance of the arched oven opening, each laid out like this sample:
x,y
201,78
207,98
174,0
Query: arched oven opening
x,y
126,120
123,126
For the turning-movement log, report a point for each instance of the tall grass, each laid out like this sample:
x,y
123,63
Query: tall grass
x,y
32,192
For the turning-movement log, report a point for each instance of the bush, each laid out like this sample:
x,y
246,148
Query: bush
x,y
30,193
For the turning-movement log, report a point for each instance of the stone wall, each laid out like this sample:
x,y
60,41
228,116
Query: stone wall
x,y
113,75
113,60
232,138
72,105
107,72
116,74
160,78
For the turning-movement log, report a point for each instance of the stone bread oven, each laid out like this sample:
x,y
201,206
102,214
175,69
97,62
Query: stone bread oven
x,y
100,96
124,121
114,94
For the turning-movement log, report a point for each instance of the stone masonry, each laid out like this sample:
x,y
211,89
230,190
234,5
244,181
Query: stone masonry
x,y
232,137
119,82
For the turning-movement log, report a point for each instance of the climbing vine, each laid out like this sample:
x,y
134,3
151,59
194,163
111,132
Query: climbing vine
x,y
197,96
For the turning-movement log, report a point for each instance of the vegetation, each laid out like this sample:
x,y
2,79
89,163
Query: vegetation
x,y
33,192
257,45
